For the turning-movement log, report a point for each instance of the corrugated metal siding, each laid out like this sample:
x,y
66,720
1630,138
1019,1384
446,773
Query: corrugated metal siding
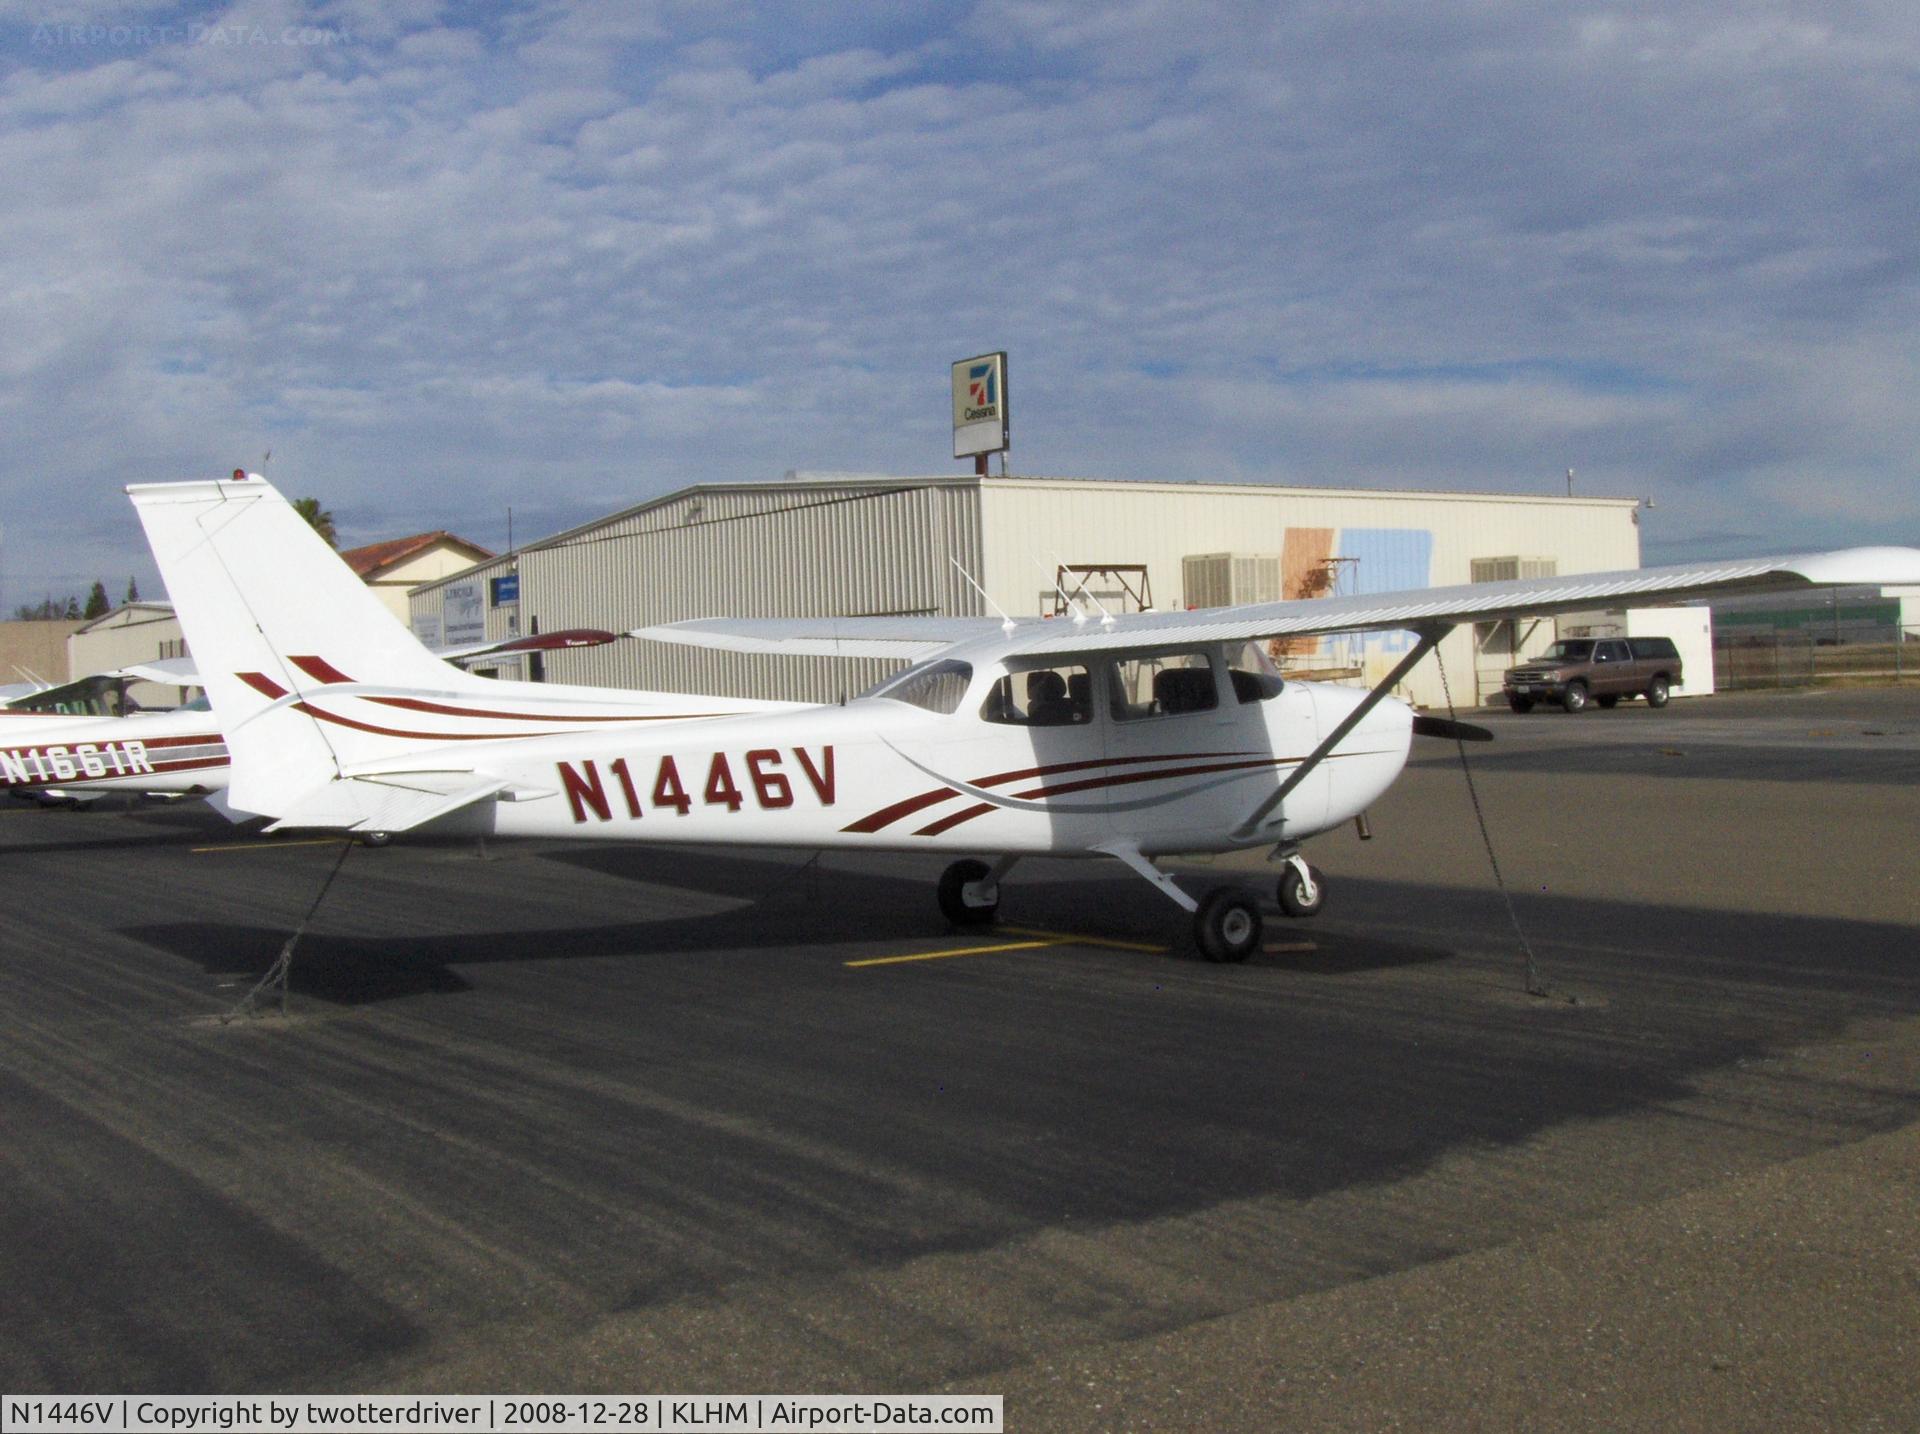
x,y
774,550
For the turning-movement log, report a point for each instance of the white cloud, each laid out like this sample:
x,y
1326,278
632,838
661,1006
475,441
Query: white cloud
x,y
601,251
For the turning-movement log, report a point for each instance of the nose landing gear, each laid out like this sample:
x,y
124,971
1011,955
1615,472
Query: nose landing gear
x,y
1301,890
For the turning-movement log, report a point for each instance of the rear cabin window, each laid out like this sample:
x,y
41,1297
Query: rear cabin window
x,y
1168,686
1653,647
1041,697
938,687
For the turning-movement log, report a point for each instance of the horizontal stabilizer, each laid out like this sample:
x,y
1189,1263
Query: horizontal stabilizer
x,y
167,671
390,802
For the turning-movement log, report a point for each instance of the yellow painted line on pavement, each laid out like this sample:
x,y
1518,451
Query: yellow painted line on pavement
x,y
1069,938
943,955
1039,941
266,845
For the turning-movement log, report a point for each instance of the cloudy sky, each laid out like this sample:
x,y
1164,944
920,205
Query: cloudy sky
x,y
445,259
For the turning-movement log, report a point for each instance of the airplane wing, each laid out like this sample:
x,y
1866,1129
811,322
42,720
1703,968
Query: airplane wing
x,y
1488,602
167,671
558,641
917,637
907,638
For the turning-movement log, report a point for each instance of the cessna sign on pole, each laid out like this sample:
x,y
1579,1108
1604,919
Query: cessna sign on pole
x,y
980,407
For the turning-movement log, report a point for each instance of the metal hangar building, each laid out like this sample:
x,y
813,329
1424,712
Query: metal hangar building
x,y
856,545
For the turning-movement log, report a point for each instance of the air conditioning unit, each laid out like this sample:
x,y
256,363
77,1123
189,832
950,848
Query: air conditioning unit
x,y
1506,570
1223,579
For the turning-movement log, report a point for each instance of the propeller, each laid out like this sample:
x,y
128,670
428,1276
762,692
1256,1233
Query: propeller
x,y
1424,726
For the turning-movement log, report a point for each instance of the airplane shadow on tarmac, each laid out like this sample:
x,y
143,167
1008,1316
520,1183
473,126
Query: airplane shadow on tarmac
x,y
771,906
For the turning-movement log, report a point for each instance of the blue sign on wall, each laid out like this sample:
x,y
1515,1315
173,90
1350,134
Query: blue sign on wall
x,y
505,589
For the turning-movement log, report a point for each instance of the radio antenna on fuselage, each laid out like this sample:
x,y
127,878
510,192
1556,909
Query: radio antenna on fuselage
x,y
1106,618
1067,603
1006,623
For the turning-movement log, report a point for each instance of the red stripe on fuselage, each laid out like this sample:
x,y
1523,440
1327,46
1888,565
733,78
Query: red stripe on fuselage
x,y
1128,778
321,715
887,816
326,672
947,823
439,709
151,742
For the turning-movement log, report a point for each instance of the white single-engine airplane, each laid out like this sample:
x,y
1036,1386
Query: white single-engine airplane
x,y
1131,737
80,740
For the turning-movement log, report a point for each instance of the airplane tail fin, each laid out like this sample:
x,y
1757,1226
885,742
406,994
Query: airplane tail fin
x,y
294,650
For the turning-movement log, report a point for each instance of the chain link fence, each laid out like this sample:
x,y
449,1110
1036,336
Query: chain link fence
x,y
1803,658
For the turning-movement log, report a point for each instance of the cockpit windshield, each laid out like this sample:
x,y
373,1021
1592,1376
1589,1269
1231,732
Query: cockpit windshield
x,y
936,686
1255,678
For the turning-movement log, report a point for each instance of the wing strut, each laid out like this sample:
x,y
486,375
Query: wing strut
x,y
1429,638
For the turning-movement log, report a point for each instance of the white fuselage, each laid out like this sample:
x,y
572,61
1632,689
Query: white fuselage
x,y
878,773
157,752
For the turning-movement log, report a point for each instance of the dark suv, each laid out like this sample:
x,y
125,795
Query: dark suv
x,y
1575,671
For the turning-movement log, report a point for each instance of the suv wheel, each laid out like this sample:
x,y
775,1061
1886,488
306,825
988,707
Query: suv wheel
x,y
1575,697
1657,692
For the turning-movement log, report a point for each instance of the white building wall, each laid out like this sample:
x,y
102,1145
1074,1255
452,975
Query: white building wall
x,y
1410,539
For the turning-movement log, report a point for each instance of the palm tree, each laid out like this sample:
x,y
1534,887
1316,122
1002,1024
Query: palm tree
x,y
320,518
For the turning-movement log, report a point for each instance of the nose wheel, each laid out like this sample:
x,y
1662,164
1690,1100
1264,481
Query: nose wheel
x,y
1301,890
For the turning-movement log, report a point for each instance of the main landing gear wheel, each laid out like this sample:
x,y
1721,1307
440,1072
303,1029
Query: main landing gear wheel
x,y
1227,926
1301,894
375,838
954,904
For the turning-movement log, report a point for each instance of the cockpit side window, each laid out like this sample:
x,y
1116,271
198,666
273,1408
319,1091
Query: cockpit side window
x,y
1041,697
936,686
